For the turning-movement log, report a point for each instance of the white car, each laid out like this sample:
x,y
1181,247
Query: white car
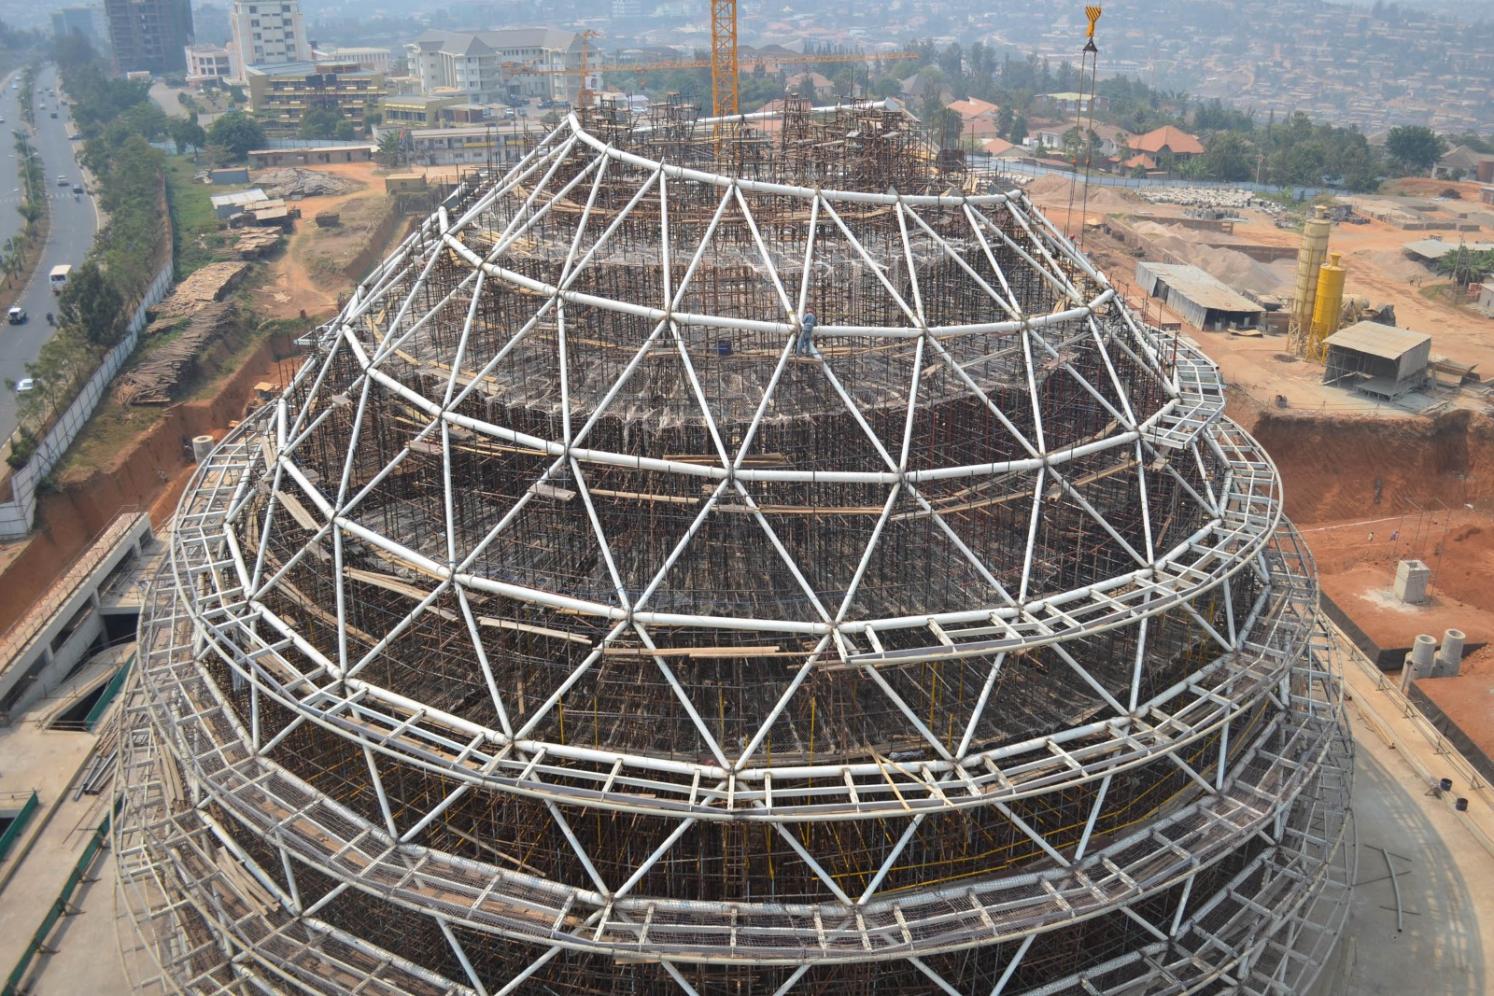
x,y
25,384
63,181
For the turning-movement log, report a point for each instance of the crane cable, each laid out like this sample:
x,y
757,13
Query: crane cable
x,y
1089,63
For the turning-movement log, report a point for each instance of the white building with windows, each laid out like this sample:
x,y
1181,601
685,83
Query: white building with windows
x,y
266,33
370,57
207,62
497,66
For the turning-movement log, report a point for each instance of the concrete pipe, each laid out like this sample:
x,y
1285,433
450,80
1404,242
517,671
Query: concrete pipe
x,y
201,447
1420,661
1450,658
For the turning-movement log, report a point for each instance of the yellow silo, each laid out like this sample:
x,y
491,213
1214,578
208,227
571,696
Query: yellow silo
x,y
1309,261
1329,306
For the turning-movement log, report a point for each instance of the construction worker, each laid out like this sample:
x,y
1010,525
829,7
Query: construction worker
x,y
804,346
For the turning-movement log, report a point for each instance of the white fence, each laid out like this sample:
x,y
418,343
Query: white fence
x,y
17,514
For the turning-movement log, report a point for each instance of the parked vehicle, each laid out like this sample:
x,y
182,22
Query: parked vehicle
x,y
25,384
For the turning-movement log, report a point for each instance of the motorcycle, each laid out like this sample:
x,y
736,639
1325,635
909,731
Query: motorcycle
x,y
50,320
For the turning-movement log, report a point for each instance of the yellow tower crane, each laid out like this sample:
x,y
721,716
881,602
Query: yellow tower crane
x,y
726,73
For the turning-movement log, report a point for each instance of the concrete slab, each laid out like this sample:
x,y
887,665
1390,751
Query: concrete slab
x,y
1443,860
87,944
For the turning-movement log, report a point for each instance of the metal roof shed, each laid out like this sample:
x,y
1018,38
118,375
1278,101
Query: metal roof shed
x,y
1377,359
1203,301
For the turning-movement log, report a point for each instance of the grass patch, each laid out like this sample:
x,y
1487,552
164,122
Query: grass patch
x,y
1449,294
194,224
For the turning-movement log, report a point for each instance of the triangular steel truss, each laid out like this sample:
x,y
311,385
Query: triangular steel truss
x,y
958,620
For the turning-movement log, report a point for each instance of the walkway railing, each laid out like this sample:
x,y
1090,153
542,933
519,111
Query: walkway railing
x,y
59,908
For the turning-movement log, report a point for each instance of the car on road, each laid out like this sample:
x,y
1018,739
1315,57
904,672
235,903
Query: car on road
x,y
58,276
25,384
62,181
16,315
77,188
53,114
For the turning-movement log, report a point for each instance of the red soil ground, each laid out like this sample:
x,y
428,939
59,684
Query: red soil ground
x,y
1368,493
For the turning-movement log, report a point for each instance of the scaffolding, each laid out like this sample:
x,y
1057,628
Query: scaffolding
x,y
584,620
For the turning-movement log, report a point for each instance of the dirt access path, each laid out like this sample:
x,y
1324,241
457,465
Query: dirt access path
x,y
304,278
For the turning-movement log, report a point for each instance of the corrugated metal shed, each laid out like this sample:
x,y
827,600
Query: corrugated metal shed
x,y
1201,288
1384,341
1435,249
238,198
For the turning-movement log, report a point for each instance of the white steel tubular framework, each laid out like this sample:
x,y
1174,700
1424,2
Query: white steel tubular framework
x,y
747,568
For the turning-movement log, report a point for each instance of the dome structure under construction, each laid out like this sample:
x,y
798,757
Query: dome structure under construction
x,y
744,557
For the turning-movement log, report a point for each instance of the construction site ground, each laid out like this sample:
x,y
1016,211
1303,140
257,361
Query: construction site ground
x,y
1369,493
320,265
1373,254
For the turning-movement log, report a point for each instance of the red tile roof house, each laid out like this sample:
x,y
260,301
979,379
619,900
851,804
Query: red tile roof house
x,y
1162,148
978,115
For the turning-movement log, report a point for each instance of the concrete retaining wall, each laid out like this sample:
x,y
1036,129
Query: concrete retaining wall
x,y
17,514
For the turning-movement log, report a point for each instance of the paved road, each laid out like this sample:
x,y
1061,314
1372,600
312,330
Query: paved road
x,y
70,234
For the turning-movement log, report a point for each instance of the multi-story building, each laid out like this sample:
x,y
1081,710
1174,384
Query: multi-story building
x,y
149,35
472,144
491,66
207,62
87,23
379,60
280,96
266,33
420,111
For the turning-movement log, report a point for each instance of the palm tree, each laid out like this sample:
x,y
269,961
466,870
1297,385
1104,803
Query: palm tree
x,y
1465,266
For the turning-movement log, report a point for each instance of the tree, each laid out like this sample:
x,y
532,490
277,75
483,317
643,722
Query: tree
x,y
186,133
1417,147
1005,118
91,304
1229,157
392,149
320,122
237,133
1465,266
946,126
1018,132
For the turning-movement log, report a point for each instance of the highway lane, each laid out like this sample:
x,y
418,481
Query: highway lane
x,y
70,234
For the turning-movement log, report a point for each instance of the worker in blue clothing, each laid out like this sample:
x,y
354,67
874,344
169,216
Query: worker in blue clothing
x,y
805,344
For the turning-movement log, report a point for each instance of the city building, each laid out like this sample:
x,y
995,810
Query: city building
x,y
87,22
977,117
280,96
1162,148
149,36
1463,163
266,33
207,62
371,57
433,112
319,155
467,144
1486,298
490,66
